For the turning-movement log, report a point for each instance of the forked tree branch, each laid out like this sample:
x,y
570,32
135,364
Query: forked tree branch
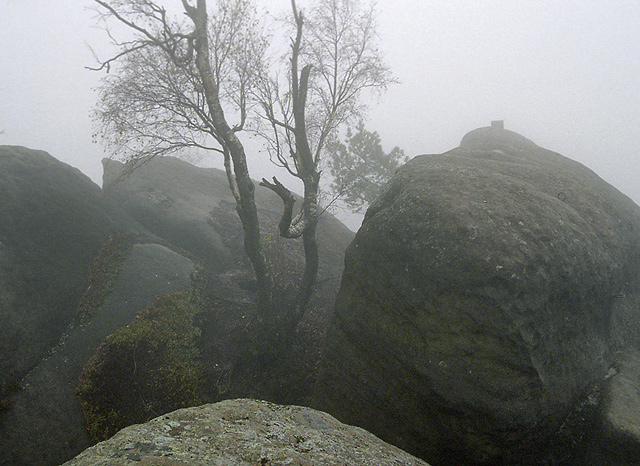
x,y
289,226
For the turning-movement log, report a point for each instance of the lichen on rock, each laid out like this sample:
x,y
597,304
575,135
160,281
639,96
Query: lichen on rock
x,y
244,433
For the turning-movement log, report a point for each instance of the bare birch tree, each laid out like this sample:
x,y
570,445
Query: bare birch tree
x,y
170,89
333,59
175,79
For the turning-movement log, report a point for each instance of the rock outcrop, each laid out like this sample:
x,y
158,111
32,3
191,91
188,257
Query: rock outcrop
x,y
173,200
244,432
78,263
47,395
477,302
53,221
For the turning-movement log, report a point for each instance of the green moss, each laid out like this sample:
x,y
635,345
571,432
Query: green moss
x,y
143,370
104,270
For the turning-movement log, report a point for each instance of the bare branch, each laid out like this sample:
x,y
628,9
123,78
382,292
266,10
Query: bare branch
x,y
289,227
107,63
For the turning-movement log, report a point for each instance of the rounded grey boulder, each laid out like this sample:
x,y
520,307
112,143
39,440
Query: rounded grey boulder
x,y
476,302
244,432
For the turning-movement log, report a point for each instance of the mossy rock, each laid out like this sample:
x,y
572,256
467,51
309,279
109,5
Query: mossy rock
x,y
477,302
143,370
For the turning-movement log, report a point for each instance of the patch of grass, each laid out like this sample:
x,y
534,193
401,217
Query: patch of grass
x,y
146,369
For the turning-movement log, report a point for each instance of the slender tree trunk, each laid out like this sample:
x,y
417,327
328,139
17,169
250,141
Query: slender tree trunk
x,y
310,240
245,201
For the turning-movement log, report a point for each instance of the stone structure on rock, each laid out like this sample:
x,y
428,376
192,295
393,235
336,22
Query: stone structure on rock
x,y
244,432
484,297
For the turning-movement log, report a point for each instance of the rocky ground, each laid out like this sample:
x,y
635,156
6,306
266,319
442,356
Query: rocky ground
x,y
244,432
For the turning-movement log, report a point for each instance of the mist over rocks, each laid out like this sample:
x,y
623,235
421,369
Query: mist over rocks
x,y
77,263
192,208
174,200
481,303
244,432
53,221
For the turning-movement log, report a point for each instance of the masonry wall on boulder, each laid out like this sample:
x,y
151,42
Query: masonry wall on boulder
x,y
476,302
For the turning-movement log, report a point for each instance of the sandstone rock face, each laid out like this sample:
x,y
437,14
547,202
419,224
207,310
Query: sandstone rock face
x,y
477,301
47,396
615,438
244,432
173,200
53,221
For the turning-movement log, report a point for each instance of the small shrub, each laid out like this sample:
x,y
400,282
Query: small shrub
x,y
141,371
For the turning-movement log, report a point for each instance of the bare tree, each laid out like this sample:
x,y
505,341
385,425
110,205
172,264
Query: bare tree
x,y
169,93
333,59
175,80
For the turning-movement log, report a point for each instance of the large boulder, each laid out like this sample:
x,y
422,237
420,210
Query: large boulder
x,y
174,200
53,221
477,300
47,396
244,432
66,282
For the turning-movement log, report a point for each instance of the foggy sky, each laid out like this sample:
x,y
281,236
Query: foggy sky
x,y
563,73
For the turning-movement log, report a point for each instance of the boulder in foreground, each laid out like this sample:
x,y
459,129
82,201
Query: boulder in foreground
x,y
244,432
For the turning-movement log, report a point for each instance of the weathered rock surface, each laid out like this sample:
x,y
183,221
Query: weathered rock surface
x,y
477,300
47,396
615,437
173,199
244,432
53,221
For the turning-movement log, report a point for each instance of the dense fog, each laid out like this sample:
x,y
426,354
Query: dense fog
x,y
564,74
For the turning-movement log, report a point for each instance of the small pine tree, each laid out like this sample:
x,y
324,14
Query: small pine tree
x,y
360,167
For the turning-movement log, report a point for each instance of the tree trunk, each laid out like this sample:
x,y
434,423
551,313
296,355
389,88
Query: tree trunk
x,y
245,202
310,241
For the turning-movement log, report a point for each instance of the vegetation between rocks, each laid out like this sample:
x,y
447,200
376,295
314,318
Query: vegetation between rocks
x,y
143,370
104,270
